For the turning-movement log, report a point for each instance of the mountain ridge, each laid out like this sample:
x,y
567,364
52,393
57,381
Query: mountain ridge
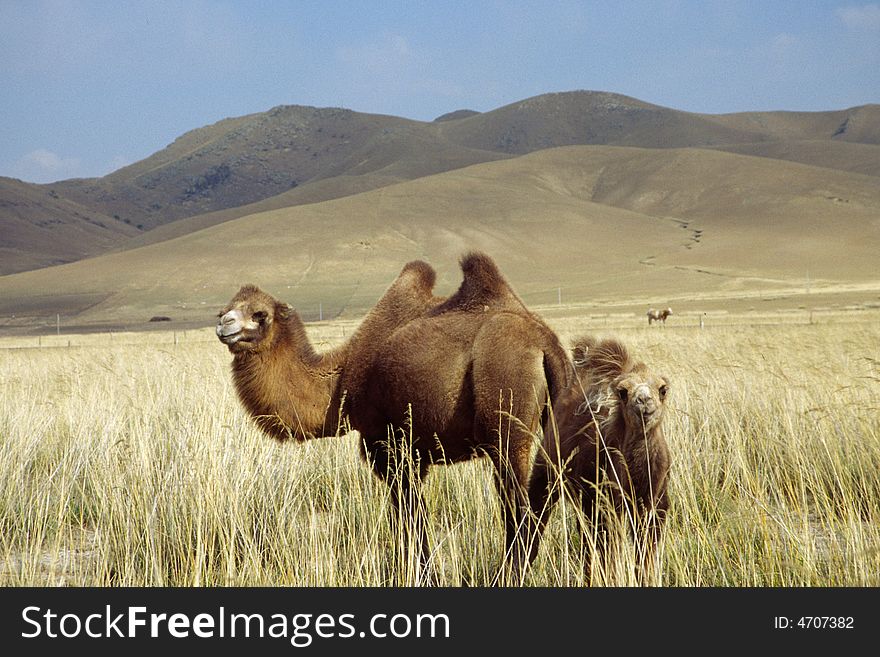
x,y
296,154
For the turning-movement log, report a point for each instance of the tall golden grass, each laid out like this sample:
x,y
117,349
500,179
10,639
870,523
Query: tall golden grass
x,y
130,462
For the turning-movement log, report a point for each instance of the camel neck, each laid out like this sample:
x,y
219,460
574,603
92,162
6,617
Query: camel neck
x,y
265,381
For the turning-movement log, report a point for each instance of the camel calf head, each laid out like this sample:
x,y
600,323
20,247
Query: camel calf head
x,y
642,396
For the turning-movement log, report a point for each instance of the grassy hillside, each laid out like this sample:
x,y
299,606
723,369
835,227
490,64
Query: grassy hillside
x,y
39,228
602,225
241,161
294,155
588,117
841,155
856,124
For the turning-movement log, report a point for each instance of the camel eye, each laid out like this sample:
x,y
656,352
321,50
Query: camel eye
x,y
260,316
623,394
663,390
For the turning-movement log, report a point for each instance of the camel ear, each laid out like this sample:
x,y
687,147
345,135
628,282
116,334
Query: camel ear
x,y
663,389
283,310
580,349
622,394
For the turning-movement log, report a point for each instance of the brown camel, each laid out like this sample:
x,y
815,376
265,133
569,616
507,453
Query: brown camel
x,y
610,451
424,380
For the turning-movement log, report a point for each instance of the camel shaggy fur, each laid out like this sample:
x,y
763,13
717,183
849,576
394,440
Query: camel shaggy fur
x,y
608,449
424,380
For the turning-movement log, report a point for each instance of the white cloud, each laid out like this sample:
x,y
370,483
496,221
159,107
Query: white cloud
x,y
42,166
48,161
45,166
865,17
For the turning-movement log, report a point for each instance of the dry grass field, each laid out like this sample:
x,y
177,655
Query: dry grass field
x,y
126,460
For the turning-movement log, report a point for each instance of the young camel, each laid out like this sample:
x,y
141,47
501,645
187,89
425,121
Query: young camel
x,y
424,380
610,452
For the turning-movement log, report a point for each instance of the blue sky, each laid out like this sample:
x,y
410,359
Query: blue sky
x,y
86,87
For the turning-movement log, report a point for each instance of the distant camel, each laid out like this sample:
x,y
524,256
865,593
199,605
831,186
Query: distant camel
x,y
611,452
424,380
658,315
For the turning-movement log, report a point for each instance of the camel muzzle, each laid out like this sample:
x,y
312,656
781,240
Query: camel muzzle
x,y
229,327
228,338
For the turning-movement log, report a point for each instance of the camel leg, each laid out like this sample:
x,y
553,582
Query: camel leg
x,y
593,534
510,455
511,458
545,486
511,476
646,543
402,470
509,396
409,519
645,530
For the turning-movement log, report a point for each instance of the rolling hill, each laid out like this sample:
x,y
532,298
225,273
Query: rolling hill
x,y
41,228
293,155
841,155
594,224
240,161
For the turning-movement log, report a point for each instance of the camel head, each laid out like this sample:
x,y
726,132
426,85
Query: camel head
x,y
642,397
668,311
248,323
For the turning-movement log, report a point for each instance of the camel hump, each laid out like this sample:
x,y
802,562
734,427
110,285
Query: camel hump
x,y
248,291
408,296
604,360
419,274
582,346
483,287
249,288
